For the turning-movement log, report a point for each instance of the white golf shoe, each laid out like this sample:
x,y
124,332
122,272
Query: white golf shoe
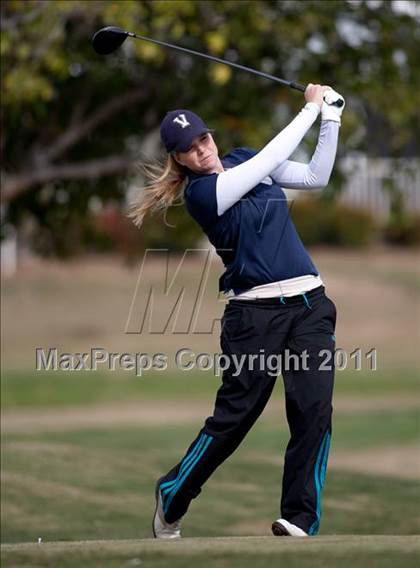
x,y
162,529
281,527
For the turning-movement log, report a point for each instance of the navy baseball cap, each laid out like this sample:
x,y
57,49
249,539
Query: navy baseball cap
x,y
179,128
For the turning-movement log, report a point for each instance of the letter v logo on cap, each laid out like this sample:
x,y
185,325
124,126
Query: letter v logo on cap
x,y
181,119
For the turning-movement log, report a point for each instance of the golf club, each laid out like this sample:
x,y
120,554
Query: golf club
x,y
108,39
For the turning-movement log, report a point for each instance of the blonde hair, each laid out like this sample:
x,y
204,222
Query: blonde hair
x,y
165,182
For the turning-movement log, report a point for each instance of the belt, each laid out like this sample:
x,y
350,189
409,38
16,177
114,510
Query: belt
x,y
296,300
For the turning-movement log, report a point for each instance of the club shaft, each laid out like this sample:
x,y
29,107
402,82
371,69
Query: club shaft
x,y
291,84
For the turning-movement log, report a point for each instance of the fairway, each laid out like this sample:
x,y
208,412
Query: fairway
x,y
256,552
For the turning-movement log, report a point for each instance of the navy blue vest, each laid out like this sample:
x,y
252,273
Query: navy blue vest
x,y
255,238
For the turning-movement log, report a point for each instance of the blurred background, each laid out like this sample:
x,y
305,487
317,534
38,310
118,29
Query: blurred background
x,y
82,450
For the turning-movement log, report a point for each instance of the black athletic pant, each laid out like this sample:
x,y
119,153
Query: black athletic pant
x,y
299,331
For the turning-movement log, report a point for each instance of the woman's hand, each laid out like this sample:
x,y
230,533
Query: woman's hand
x,y
329,110
315,94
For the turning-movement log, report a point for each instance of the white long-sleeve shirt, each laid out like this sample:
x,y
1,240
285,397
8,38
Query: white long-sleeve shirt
x,y
272,160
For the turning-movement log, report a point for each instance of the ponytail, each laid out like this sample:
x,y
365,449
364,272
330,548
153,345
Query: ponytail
x,y
165,182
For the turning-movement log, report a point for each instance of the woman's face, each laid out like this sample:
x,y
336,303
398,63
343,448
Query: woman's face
x,y
202,157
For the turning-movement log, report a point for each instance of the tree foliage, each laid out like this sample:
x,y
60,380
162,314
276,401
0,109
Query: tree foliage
x,y
74,122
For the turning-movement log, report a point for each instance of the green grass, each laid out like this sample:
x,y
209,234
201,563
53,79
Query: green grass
x,y
98,484
350,430
31,389
260,552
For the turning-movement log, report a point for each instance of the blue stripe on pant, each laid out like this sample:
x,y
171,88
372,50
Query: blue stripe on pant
x,y
166,487
169,489
319,476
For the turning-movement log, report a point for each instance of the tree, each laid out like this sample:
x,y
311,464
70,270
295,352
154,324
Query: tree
x,y
73,122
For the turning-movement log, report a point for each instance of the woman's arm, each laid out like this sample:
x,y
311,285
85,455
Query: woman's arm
x,y
233,184
316,174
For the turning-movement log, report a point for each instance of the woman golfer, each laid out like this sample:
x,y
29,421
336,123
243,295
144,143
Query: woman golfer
x,y
277,303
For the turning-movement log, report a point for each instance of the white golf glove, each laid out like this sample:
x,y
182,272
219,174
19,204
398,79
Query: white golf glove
x,y
328,110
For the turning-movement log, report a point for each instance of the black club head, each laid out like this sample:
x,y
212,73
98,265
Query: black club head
x,y
106,40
